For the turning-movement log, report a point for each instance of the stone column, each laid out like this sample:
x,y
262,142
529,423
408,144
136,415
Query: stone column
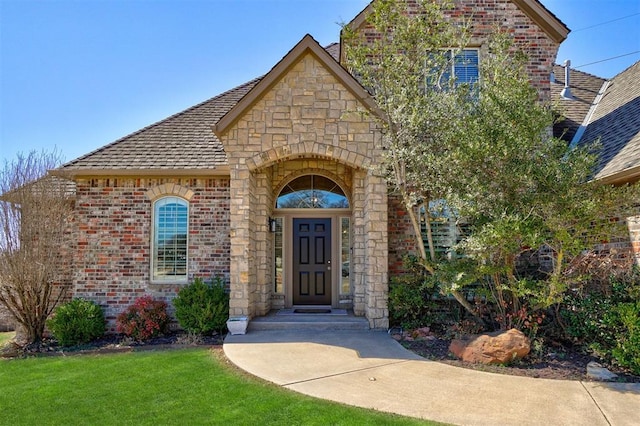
x,y
376,251
261,209
633,223
241,242
359,246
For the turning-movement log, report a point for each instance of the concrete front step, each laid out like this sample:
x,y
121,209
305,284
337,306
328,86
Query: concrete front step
x,y
288,320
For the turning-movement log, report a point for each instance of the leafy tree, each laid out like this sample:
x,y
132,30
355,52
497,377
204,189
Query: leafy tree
x,y
35,212
405,65
523,190
486,149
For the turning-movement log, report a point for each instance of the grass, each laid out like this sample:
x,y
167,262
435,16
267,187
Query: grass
x,y
6,336
186,386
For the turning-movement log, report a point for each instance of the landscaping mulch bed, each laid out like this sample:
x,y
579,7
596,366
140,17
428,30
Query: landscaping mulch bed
x,y
563,363
117,343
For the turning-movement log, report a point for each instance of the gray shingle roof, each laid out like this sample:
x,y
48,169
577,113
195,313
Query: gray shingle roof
x,y
334,50
616,123
183,141
585,88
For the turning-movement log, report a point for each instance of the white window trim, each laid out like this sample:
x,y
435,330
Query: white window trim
x,y
455,51
174,279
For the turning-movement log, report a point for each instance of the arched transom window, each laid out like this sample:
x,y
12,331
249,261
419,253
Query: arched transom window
x,y
312,192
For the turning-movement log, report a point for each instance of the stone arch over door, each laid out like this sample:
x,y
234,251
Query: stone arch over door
x,y
344,186
309,150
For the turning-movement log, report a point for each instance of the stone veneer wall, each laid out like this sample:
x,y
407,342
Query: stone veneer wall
x,y
306,116
633,223
113,229
376,251
486,16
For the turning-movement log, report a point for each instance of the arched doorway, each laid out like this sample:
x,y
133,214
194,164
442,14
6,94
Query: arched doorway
x,y
312,245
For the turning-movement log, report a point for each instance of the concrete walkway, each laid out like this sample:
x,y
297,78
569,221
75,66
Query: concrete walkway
x,y
369,369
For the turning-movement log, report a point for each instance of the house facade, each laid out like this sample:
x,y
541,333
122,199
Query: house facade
x,y
272,186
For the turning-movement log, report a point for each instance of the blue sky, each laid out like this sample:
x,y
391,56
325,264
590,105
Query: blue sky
x,y
79,74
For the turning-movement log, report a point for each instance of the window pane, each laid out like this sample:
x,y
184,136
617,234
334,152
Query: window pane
x,y
312,192
445,230
461,69
465,67
278,256
170,238
345,252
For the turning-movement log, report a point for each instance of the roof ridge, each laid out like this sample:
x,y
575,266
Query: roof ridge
x,y
626,69
583,72
159,122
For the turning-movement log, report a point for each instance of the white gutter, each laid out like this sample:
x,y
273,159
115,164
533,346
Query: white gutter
x,y
589,116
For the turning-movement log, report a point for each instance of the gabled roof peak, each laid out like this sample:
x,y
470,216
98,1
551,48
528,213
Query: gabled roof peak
x,y
307,45
535,10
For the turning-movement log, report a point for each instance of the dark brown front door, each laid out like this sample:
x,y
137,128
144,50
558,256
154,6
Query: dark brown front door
x,y
312,261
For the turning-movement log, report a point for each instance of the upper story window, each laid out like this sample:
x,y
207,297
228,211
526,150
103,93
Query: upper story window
x,y
170,230
462,66
312,192
465,66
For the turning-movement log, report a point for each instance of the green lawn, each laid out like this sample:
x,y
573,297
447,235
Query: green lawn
x,y
187,386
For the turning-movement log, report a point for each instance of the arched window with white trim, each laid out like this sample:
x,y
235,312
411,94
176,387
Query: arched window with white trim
x,y
170,235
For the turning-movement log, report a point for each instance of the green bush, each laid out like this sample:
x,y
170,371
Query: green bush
x,y
583,317
626,319
76,322
202,307
411,301
144,320
607,322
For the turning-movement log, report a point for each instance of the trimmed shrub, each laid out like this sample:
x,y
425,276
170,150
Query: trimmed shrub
x,y
202,308
145,319
76,322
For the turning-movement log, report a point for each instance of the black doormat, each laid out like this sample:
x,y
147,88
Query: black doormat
x,y
312,311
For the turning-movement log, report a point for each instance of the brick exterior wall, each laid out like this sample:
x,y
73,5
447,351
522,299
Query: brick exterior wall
x,y
112,263
486,16
401,236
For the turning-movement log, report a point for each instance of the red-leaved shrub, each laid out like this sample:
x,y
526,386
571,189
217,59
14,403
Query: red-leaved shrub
x,y
144,320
